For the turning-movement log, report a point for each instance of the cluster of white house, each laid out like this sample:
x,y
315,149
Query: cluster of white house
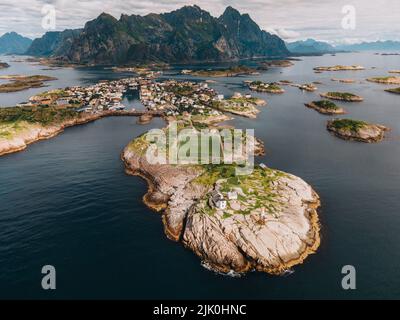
x,y
218,200
177,97
105,95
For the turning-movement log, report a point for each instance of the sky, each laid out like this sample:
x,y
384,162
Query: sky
x,y
361,20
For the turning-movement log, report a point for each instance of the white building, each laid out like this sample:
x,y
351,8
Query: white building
x,y
217,199
221,204
232,195
263,166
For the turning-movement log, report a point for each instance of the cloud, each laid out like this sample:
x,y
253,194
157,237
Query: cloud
x,y
288,34
291,19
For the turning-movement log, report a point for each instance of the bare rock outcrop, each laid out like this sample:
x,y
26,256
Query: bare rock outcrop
x,y
270,243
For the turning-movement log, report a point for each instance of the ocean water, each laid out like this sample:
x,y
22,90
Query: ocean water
x,y
67,201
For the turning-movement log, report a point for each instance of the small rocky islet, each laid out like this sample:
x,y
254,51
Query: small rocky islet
x,y
356,130
311,87
245,106
261,86
265,65
342,96
325,107
224,72
385,80
22,82
4,65
339,68
344,80
393,90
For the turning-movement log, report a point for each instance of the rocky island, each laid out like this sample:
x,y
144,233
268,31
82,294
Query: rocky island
x,y
266,220
343,80
310,87
356,130
343,96
19,83
227,72
385,80
394,90
260,86
340,68
245,106
325,107
265,65
4,65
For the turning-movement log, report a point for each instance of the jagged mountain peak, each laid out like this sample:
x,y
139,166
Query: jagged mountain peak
x,y
105,15
188,34
188,12
230,11
104,18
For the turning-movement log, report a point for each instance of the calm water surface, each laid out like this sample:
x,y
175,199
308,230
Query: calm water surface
x,y
67,201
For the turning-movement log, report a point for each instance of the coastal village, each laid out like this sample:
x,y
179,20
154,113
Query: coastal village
x,y
175,98
168,98
102,96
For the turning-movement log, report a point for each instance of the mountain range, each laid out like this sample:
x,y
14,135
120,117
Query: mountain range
x,y
53,43
388,45
309,47
188,34
13,43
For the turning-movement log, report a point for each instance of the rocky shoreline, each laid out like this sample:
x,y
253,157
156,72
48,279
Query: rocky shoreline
x,y
241,242
20,82
34,132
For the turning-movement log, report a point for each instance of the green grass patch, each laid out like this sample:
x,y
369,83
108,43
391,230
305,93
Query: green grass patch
x,y
326,104
44,115
348,124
